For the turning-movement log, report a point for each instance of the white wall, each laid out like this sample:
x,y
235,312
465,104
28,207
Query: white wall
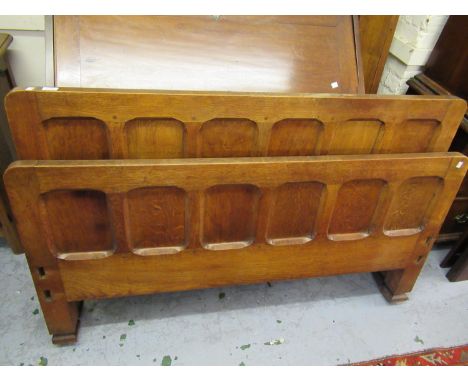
x,y
414,39
27,52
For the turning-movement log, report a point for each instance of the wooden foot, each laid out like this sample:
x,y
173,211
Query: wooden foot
x,y
386,292
65,339
71,337
61,316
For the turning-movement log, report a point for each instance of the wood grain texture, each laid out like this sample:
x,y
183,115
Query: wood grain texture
x,y
376,32
221,53
99,124
302,200
71,138
355,209
83,220
238,229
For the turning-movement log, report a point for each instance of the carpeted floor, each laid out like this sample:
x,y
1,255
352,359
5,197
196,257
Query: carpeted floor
x,y
455,356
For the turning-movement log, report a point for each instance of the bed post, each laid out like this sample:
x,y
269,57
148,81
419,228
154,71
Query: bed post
x,y
61,316
395,284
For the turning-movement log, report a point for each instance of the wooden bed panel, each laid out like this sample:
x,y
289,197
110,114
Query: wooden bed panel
x,y
152,226
98,229
293,212
356,208
101,124
157,220
376,32
123,275
216,53
81,216
154,138
76,138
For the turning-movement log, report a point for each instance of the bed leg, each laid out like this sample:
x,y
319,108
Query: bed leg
x,y
387,293
66,334
61,316
62,319
395,285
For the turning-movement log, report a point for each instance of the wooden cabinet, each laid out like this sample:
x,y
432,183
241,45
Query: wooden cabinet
x,y
7,150
448,63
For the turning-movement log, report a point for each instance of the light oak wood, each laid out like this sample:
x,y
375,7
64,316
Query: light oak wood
x,y
130,227
376,32
227,53
102,124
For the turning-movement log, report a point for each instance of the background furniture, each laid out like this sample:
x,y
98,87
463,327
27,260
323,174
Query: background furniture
x,y
376,34
315,54
457,259
7,150
448,63
446,73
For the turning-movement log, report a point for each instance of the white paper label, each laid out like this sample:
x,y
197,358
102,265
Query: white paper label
x,y
334,85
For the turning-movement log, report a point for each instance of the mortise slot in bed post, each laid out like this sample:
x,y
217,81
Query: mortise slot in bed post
x,y
41,272
48,295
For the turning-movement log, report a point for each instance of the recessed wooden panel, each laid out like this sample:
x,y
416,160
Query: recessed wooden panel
x,y
295,137
416,135
77,221
410,207
355,209
355,137
157,220
294,213
229,216
228,137
212,125
76,138
149,138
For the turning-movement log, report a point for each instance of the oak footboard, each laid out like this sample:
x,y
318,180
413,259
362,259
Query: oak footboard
x,y
99,229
